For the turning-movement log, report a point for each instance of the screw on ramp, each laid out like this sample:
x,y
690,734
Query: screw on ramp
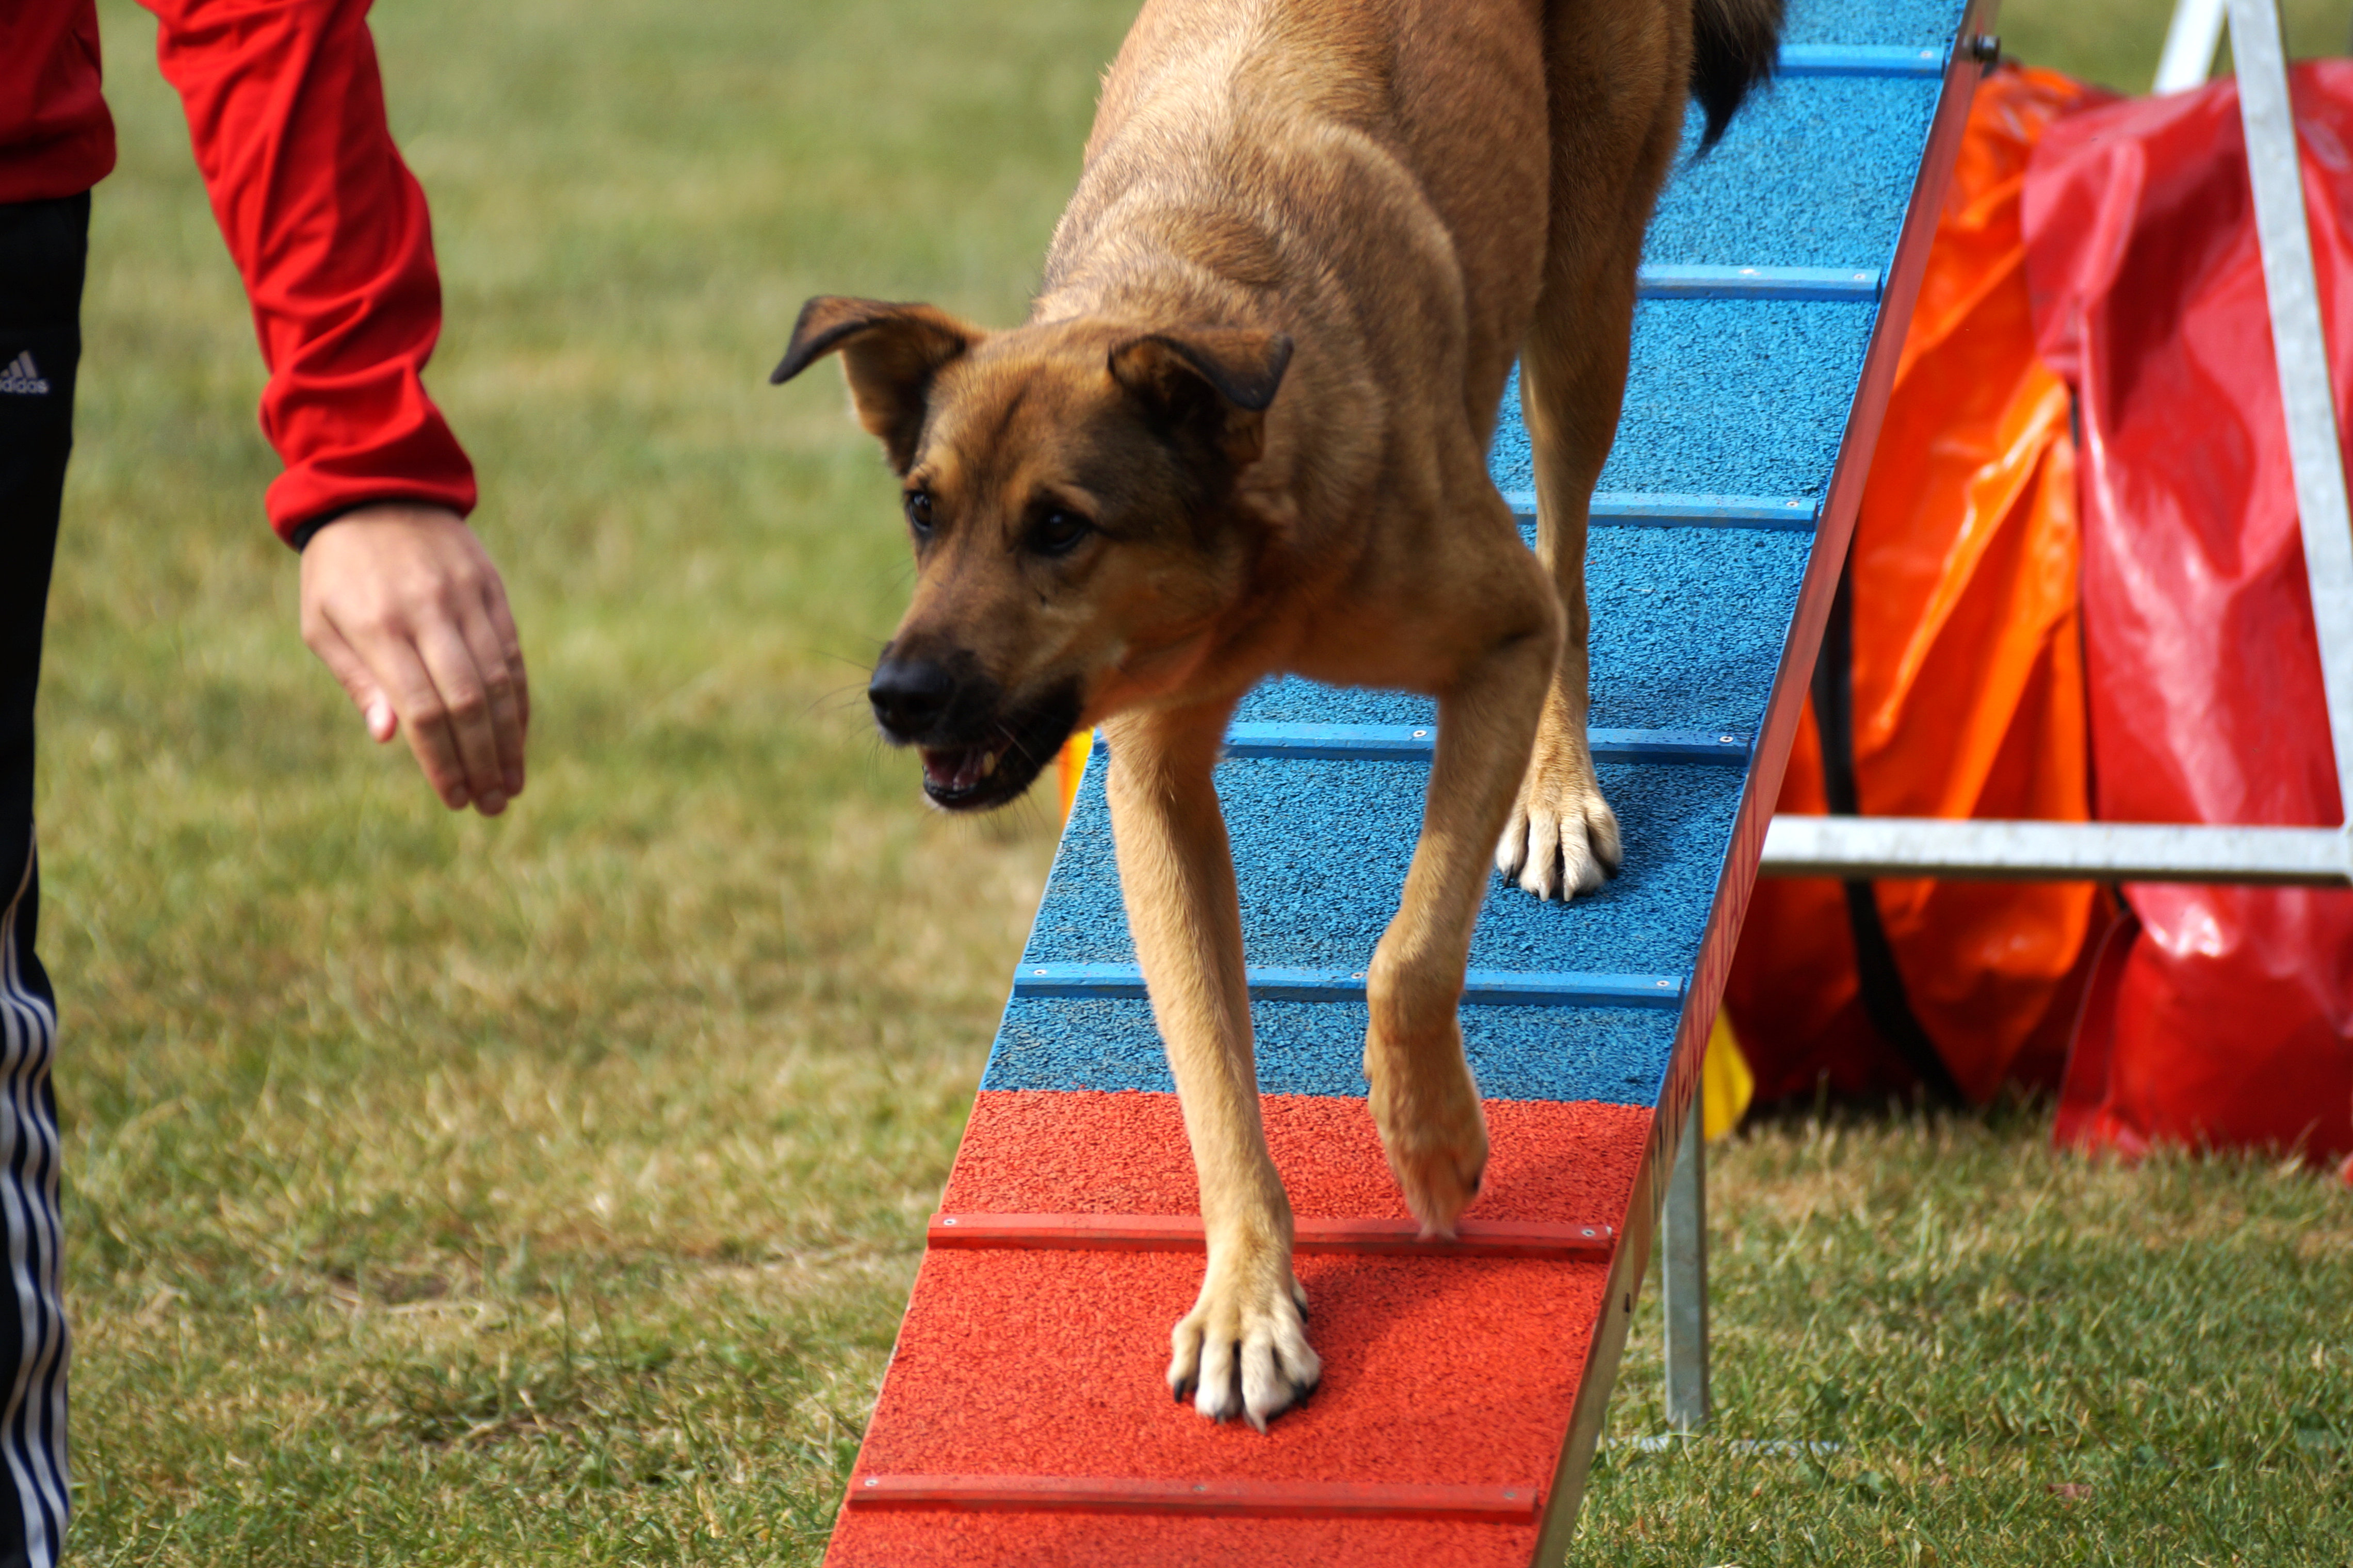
x,y
1024,1418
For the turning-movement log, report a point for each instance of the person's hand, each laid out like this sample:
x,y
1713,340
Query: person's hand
x,y
402,603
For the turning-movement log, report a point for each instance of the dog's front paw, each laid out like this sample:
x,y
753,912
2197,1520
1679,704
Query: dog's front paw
x,y
1425,1104
1562,839
1242,1350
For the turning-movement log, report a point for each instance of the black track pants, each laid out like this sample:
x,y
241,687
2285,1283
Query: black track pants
x,y
42,249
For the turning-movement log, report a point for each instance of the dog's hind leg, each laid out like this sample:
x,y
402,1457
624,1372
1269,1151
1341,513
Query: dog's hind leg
x,y
1507,634
1617,115
1242,1350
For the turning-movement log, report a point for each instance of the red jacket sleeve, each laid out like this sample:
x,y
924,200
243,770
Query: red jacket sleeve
x,y
329,232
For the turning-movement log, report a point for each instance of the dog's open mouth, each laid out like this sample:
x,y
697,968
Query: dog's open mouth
x,y
996,769
953,774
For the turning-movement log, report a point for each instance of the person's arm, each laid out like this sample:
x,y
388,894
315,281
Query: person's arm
x,y
330,233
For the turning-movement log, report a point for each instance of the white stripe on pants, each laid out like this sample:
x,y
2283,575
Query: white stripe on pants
x,y
33,1421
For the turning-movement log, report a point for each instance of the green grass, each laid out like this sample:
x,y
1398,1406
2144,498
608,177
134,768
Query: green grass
x,y
2116,42
546,1190
455,1191
2020,1357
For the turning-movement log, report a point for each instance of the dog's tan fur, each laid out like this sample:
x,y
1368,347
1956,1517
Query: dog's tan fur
x,y
1258,387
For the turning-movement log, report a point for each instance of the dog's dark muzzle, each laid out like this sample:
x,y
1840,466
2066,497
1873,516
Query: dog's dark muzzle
x,y
978,751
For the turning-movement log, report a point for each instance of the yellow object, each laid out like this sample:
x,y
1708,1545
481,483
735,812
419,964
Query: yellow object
x,y
1074,768
1725,1085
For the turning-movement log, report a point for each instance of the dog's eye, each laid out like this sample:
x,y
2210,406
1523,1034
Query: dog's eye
x,y
1057,532
919,512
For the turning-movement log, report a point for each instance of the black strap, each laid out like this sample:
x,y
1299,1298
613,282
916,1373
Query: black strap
x,y
1884,1001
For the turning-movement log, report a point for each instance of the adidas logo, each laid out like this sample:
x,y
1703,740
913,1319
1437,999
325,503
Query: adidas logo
x,y
23,377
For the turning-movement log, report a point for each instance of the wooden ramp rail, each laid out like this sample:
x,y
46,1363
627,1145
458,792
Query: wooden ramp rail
x,y
1222,1499
1182,1233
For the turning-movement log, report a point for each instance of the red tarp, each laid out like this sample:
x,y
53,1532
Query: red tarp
x,y
2220,1014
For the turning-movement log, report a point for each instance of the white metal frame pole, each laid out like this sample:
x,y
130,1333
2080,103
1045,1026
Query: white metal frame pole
x,y
2289,283
2189,43
1684,1276
1985,848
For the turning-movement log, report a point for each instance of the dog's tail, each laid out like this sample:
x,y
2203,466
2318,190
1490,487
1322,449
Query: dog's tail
x,y
1734,45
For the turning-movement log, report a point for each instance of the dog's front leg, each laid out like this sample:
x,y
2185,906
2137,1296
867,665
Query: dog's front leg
x,y
1423,1098
1242,1350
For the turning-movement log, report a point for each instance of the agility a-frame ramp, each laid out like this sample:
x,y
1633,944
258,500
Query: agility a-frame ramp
x,y
1024,1418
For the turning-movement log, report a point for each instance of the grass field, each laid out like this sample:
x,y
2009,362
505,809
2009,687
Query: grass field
x,y
546,1190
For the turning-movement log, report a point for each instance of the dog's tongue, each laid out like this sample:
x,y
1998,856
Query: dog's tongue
x,y
954,772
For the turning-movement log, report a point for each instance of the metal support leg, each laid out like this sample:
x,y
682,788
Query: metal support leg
x,y
2307,399
1685,1266
2190,45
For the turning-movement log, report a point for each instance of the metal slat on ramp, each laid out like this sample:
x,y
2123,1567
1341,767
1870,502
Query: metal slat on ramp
x,y
1023,1418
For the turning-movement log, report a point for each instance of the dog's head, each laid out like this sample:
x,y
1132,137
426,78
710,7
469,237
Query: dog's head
x,y
1072,489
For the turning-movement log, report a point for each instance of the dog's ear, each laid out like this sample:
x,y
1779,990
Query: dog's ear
x,y
889,355
1217,381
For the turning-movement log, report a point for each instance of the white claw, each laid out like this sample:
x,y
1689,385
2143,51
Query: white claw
x,y
1217,1397
1511,849
1183,1359
1544,855
1263,1387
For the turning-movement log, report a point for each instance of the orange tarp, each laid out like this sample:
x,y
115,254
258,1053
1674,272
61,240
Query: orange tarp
x,y
1968,682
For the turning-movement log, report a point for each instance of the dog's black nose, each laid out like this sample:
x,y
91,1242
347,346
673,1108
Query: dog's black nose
x,y
909,695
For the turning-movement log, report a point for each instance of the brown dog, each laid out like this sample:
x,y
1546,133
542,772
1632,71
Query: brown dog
x,y
1245,431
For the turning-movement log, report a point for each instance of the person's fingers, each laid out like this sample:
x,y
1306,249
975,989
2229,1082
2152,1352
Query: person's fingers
x,y
491,661
502,621
351,673
415,698
465,692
